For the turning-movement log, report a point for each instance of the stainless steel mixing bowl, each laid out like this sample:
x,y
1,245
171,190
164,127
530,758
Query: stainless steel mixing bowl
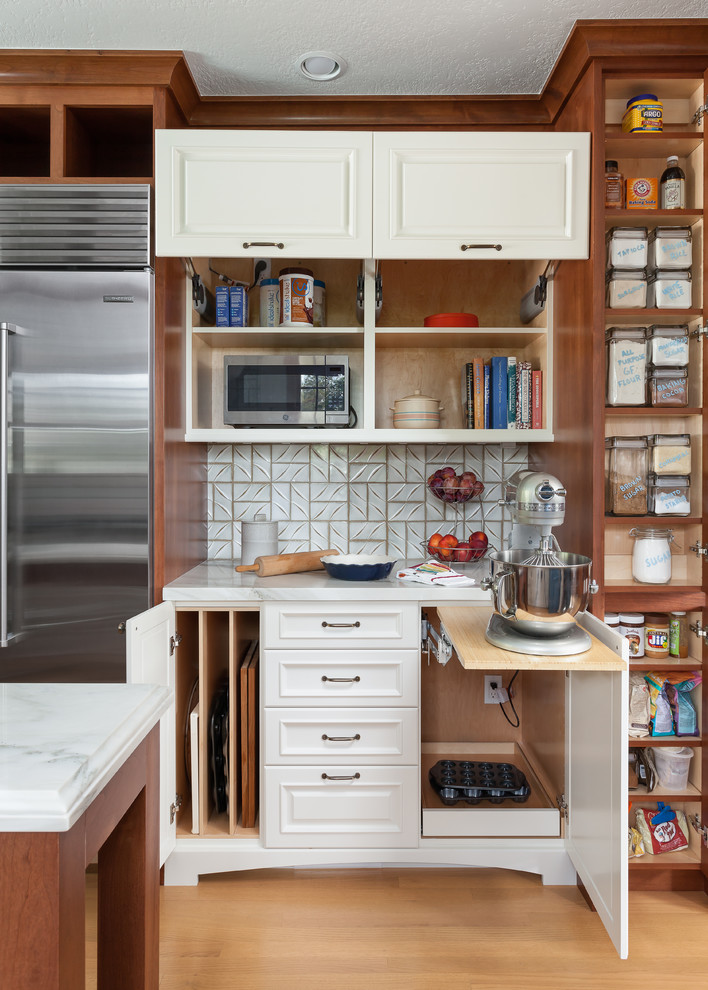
x,y
538,599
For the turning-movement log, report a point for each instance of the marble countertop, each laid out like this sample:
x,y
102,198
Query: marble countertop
x,y
216,581
60,744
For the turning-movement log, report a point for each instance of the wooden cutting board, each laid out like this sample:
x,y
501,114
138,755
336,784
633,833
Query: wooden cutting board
x,y
249,737
287,563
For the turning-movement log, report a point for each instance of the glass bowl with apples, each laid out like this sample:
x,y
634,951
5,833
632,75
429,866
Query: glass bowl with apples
x,y
448,549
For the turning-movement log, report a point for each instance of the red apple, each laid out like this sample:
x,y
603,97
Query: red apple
x,y
446,546
479,540
434,542
463,552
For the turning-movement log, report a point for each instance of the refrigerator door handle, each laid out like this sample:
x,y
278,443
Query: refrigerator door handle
x,y
6,329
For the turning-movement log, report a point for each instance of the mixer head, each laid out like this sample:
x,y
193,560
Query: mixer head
x,y
536,498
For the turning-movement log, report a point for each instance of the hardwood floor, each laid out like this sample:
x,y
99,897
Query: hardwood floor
x,y
425,929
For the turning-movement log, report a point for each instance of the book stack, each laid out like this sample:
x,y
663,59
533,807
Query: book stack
x,y
504,394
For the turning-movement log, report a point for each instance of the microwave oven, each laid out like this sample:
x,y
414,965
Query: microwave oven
x,y
286,390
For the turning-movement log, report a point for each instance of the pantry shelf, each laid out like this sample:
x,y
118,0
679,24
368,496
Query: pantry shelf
x,y
684,860
654,520
646,316
646,218
613,412
654,741
673,141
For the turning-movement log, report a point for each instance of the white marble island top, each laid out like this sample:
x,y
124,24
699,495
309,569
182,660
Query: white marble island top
x,y
60,744
217,581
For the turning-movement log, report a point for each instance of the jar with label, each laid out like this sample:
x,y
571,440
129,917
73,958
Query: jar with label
x,y
669,495
678,635
672,185
667,347
669,289
651,556
668,387
670,453
631,626
644,112
270,302
627,474
614,186
626,288
627,247
656,636
319,317
670,247
626,366
296,297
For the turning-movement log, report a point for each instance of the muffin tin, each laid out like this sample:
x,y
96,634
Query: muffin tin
x,y
463,780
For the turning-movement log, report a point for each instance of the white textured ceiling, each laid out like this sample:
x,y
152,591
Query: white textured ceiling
x,y
391,47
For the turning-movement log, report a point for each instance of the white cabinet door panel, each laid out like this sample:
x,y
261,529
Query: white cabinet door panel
x,y
596,793
383,678
218,191
323,624
149,647
302,735
481,195
368,807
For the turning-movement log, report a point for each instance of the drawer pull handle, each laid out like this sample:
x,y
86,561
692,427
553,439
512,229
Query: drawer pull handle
x,y
354,776
477,247
277,244
342,680
341,738
341,625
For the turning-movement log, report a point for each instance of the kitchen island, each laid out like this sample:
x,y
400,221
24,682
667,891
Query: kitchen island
x,y
79,767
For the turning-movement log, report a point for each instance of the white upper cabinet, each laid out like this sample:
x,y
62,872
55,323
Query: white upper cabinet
x,y
286,194
483,194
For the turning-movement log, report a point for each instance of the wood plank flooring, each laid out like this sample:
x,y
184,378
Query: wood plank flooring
x,y
416,929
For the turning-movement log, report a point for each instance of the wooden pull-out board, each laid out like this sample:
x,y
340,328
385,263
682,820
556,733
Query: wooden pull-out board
x,y
249,737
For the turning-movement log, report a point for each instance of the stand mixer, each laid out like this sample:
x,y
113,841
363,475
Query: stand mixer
x,y
537,588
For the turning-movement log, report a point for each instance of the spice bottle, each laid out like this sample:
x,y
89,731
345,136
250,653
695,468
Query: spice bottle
x,y
672,186
678,635
656,636
631,626
614,186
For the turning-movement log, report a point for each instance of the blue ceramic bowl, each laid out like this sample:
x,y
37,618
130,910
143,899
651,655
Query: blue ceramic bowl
x,y
358,566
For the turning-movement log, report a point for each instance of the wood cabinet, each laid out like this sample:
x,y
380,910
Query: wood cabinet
x,y
256,193
489,194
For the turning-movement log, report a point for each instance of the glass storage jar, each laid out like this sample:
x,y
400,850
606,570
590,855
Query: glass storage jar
x,y
668,289
627,247
667,347
670,247
668,387
670,453
626,288
651,555
627,476
669,494
626,366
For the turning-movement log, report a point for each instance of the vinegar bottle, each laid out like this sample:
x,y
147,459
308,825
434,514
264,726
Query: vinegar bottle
x,y
673,185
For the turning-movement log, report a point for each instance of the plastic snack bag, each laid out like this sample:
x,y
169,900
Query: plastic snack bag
x,y
662,718
663,830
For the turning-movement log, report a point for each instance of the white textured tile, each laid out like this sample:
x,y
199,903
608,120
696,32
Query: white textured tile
x,y
219,550
358,498
299,502
473,459
296,546
367,453
339,535
368,546
223,507
330,492
242,463
377,507
415,535
493,465
415,463
406,511
320,536
290,471
437,455
280,501
495,535
261,462
219,531
397,539
319,462
294,532
367,471
396,463
219,469
328,510
338,463
291,453
368,531
434,509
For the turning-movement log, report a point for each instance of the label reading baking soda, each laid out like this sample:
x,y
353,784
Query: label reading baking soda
x,y
642,194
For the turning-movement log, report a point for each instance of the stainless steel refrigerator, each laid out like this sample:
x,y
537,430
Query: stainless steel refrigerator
x,y
76,330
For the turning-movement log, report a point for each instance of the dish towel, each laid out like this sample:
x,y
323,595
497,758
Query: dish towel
x,y
434,573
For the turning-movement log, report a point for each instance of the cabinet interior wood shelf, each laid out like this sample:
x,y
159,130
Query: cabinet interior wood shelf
x,y
654,741
391,354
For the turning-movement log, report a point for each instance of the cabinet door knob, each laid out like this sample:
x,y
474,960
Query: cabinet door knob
x,y
477,247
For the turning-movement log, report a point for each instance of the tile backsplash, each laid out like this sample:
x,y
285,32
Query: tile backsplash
x,y
356,498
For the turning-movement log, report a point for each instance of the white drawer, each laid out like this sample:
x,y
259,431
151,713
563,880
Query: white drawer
x,y
368,807
369,735
384,678
323,624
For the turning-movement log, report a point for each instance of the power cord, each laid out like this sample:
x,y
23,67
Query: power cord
x,y
517,723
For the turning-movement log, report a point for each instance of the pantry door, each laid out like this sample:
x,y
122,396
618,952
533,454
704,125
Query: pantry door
x,y
596,793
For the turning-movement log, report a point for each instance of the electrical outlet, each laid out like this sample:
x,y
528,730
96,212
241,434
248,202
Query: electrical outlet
x,y
492,687
261,269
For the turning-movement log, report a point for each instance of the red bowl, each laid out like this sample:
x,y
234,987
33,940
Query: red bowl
x,y
451,320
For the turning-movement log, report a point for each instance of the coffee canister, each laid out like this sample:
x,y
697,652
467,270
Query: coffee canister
x,y
259,538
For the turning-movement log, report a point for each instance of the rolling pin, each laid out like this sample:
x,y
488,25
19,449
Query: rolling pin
x,y
287,563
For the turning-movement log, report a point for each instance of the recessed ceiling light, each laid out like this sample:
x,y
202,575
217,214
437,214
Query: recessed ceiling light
x,y
321,66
